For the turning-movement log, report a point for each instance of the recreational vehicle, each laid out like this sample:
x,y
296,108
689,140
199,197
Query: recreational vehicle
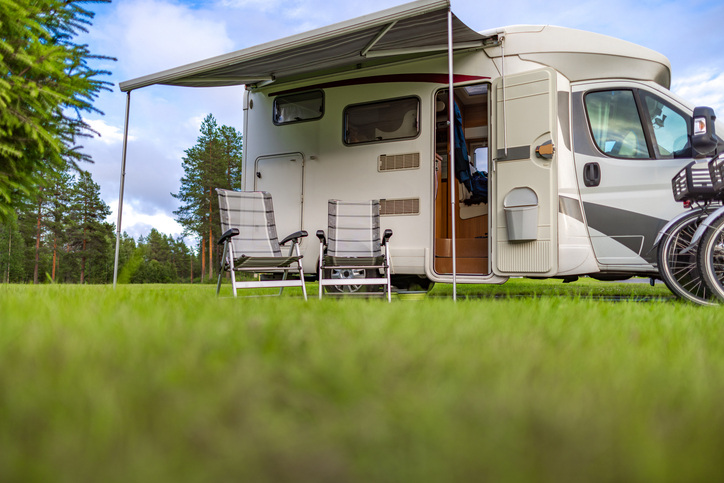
x,y
551,157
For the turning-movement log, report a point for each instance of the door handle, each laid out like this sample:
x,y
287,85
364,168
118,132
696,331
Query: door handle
x,y
545,150
591,174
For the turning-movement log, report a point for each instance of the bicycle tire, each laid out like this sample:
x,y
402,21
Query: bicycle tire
x,y
680,272
710,258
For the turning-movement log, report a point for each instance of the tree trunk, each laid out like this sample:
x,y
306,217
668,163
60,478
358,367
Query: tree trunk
x,y
203,258
82,259
211,238
10,246
37,243
55,252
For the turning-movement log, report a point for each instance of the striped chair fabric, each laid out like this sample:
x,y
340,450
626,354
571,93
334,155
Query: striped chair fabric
x,y
354,233
252,213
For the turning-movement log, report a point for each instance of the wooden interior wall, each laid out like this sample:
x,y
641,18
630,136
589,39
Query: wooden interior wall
x,y
472,233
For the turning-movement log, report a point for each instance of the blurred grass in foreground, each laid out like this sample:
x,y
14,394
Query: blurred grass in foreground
x,y
168,383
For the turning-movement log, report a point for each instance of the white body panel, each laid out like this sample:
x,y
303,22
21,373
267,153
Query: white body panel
x,y
325,168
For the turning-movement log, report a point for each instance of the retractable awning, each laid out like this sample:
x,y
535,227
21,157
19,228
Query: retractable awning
x,y
410,30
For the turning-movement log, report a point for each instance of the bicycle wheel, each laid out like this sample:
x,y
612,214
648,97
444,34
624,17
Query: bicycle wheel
x,y
680,272
710,258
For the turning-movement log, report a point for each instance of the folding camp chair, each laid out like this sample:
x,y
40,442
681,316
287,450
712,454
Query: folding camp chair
x,y
251,244
353,254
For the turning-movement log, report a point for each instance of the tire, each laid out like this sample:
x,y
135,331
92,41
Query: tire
x,y
351,273
680,272
710,258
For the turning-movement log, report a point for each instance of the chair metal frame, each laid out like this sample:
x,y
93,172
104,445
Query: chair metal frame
x,y
376,262
233,263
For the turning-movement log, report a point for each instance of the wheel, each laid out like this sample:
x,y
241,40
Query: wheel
x,y
346,273
710,258
679,271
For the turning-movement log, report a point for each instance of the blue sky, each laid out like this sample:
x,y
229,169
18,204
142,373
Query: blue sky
x,y
147,36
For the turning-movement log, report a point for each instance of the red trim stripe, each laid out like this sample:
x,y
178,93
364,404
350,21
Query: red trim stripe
x,y
378,79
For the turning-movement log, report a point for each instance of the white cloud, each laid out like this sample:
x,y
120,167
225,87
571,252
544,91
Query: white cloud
x,y
706,88
195,121
156,35
136,222
108,134
261,5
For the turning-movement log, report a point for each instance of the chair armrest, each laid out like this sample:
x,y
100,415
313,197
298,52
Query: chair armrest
x,y
322,238
294,236
386,237
229,233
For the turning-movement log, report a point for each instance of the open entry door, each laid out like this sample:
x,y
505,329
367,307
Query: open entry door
x,y
524,175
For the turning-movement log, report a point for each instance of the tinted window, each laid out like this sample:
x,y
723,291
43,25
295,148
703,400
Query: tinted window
x,y
382,121
670,128
616,125
304,106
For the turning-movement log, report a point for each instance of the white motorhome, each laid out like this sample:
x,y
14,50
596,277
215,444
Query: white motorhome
x,y
577,132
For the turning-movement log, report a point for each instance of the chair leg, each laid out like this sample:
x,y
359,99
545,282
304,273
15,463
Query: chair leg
x,y
301,278
387,274
301,268
233,282
387,285
221,269
284,277
286,272
321,255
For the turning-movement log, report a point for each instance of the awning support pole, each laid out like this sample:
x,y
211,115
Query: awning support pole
x,y
120,195
451,160
502,80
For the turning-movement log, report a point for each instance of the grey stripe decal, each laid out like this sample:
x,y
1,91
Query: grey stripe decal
x,y
615,222
570,207
633,243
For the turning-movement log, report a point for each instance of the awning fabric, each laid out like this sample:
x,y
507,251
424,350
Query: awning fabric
x,y
410,30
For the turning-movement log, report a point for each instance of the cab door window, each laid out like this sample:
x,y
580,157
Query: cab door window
x,y
616,125
670,128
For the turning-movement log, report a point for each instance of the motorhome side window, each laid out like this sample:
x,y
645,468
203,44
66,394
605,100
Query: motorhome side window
x,y
670,128
616,125
304,106
382,121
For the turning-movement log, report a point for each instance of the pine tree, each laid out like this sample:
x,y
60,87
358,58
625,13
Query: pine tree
x,y
89,233
46,82
59,198
12,251
39,213
213,162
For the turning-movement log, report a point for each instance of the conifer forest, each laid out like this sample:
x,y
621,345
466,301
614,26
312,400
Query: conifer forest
x,y
54,226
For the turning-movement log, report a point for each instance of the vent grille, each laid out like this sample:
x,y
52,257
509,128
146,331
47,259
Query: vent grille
x,y
406,206
399,161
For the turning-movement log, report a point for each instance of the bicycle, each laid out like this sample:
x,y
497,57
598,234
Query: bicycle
x,y
677,252
709,238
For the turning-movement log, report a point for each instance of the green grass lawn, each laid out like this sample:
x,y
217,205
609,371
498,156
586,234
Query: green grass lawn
x,y
171,384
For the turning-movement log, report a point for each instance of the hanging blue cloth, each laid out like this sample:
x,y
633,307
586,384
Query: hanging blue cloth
x,y
462,160
476,182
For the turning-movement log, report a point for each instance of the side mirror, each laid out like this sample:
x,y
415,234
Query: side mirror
x,y
703,137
